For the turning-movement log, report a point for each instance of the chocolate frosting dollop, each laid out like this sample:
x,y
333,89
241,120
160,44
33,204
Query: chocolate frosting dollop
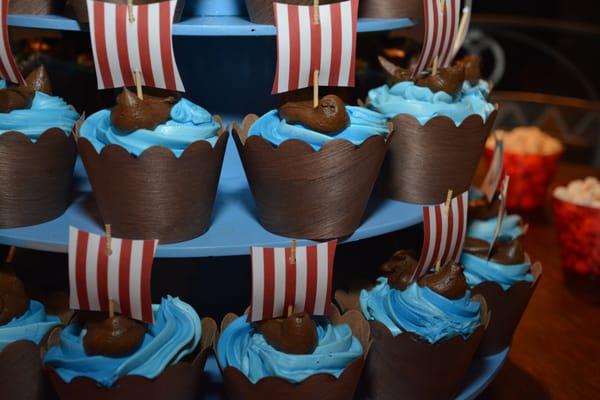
x,y
13,298
296,334
472,66
132,113
449,281
20,97
449,79
505,252
399,269
329,116
118,336
482,209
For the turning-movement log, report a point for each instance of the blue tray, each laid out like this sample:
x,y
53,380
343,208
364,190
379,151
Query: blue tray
x,y
226,25
481,373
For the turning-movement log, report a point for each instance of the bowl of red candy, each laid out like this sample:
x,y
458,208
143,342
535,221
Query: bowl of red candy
x,y
577,220
531,158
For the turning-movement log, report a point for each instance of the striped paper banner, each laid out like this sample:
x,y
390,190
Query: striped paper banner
x,y
441,28
278,283
444,233
304,46
122,277
122,46
8,65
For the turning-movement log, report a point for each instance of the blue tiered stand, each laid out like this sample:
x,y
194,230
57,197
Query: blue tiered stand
x,y
227,64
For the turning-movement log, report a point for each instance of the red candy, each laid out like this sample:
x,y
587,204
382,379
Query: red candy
x,y
530,176
578,229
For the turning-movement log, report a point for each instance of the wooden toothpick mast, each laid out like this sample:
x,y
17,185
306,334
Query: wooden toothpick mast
x,y
137,76
316,21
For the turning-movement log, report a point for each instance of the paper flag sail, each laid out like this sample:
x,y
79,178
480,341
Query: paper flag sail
x,y
304,46
134,39
123,277
463,29
278,282
441,29
8,65
490,183
444,233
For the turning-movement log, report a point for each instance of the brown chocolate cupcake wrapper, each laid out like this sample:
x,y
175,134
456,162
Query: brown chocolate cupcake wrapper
x,y
22,373
425,161
407,366
507,308
78,8
307,194
156,195
36,7
319,386
181,381
390,9
261,11
35,177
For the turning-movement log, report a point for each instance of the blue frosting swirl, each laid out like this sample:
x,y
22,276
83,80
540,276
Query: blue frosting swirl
x,y
478,270
423,104
241,347
45,112
189,123
175,333
420,310
363,124
511,228
33,325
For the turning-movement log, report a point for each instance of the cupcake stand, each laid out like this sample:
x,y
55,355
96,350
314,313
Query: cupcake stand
x,y
235,60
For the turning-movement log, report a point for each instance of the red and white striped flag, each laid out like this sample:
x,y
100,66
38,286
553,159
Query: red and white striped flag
x,y
8,65
445,232
278,283
122,47
441,29
95,278
304,46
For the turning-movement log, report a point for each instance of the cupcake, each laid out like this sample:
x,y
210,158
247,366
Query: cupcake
x,y
293,358
421,329
433,115
507,281
78,8
530,159
159,153
157,361
304,163
24,326
37,7
37,152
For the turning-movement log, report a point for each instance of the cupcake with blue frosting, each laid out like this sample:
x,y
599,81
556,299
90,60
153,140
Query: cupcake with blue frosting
x,y
24,327
38,152
295,357
294,155
147,359
441,115
142,154
420,328
506,278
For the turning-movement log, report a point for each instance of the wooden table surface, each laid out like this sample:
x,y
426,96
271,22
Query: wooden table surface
x,y
556,350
